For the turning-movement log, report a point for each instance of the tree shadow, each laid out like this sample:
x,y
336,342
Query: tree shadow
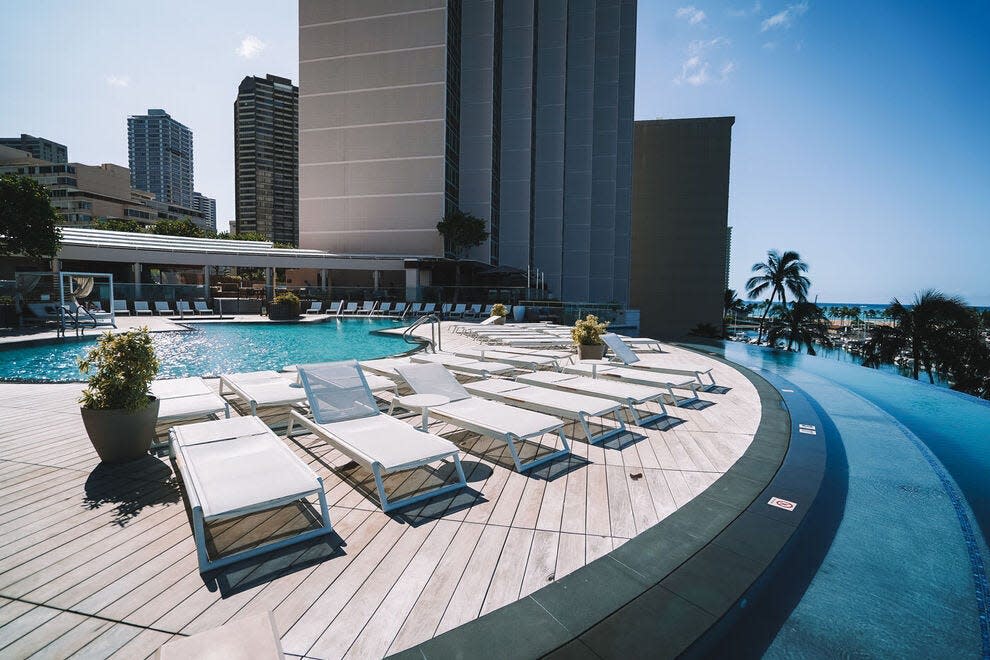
x,y
131,487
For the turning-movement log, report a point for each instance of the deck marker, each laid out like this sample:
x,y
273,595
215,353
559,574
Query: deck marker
x,y
786,505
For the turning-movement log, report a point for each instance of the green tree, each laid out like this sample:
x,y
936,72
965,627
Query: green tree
x,y
118,224
777,275
28,221
461,231
803,323
921,329
177,228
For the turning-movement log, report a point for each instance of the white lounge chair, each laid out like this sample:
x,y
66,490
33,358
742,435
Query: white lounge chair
x,y
529,362
162,308
624,354
609,371
183,307
120,307
457,312
430,308
368,307
346,415
141,308
187,398
464,365
202,307
568,405
416,308
445,309
384,309
315,308
644,343
399,310
233,467
335,307
489,418
349,309
627,393
263,389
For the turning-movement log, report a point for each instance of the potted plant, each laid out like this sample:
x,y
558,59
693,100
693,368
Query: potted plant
x,y
500,312
8,313
284,306
587,334
118,412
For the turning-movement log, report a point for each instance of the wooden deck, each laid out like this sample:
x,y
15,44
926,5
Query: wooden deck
x,y
99,562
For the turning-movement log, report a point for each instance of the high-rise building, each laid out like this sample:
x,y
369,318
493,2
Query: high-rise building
x,y
266,157
160,156
40,148
517,112
680,233
207,207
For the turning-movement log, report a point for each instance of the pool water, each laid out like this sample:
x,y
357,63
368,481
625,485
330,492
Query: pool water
x,y
219,348
905,572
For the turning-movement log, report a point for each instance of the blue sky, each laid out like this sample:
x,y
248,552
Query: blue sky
x,y
861,136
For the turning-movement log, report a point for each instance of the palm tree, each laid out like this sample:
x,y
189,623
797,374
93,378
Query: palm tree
x,y
779,274
803,323
922,328
733,305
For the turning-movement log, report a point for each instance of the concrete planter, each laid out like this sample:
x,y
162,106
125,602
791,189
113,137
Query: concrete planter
x,y
591,352
121,435
499,320
283,311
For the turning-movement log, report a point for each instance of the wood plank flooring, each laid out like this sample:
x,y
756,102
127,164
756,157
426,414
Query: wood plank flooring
x,y
99,561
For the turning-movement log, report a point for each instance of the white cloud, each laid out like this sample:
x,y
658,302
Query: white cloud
x,y
743,12
785,17
251,46
118,81
696,69
691,14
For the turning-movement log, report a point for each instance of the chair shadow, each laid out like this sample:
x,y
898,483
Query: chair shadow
x,y
697,404
665,423
558,468
131,487
254,571
716,389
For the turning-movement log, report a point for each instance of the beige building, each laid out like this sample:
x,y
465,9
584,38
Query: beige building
x,y
680,234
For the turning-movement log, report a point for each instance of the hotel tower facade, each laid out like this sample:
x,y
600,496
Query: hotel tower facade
x,y
517,111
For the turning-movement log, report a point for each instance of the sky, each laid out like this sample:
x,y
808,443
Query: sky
x,y
861,138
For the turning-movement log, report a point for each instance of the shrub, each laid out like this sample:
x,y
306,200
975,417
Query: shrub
x,y
286,297
122,366
588,331
498,309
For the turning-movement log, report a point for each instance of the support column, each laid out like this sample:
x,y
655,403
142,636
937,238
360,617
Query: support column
x,y
136,269
377,277
206,283
269,291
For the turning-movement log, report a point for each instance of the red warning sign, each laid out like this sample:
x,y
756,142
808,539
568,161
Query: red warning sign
x,y
782,504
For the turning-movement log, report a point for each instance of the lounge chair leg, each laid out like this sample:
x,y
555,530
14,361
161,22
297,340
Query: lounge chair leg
x,y
460,469
512,451
199,534
324,509
587,429
376,469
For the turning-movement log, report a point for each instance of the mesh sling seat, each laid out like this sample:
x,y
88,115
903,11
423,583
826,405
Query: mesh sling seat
x,y
625,355
261,389
608,371
187,398
233,467
346,415
489,418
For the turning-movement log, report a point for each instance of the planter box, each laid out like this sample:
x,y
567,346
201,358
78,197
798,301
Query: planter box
x,y
283,311
591,352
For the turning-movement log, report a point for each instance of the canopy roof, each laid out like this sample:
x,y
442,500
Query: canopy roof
x,y
99,245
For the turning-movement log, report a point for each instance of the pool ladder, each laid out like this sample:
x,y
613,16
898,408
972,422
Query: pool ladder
x,y
435,334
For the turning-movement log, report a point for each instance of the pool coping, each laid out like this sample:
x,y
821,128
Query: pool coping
x,y
674,588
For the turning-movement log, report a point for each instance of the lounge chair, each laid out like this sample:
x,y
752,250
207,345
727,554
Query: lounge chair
x,y
187,398
162,308
349,309
457,312
489,418
529,362
463,365
474,312
644,343
335,307
445,310
609,371
368,307
183,307
141,308
627,393
315,308
416,308
384,309
346,415
202,307
120,308
232,467
430,308
263,389
399,311
568,405
624,354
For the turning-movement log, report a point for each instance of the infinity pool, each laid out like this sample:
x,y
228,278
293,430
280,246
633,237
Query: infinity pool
x,y
218,348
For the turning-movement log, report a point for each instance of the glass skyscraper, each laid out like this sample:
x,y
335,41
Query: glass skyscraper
x,y
160,156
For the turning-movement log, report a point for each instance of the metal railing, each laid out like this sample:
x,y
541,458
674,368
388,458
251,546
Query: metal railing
x,y
435,340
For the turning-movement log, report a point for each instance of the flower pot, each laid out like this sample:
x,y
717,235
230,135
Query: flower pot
x,y
499,320
591,351
121,435
283,311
